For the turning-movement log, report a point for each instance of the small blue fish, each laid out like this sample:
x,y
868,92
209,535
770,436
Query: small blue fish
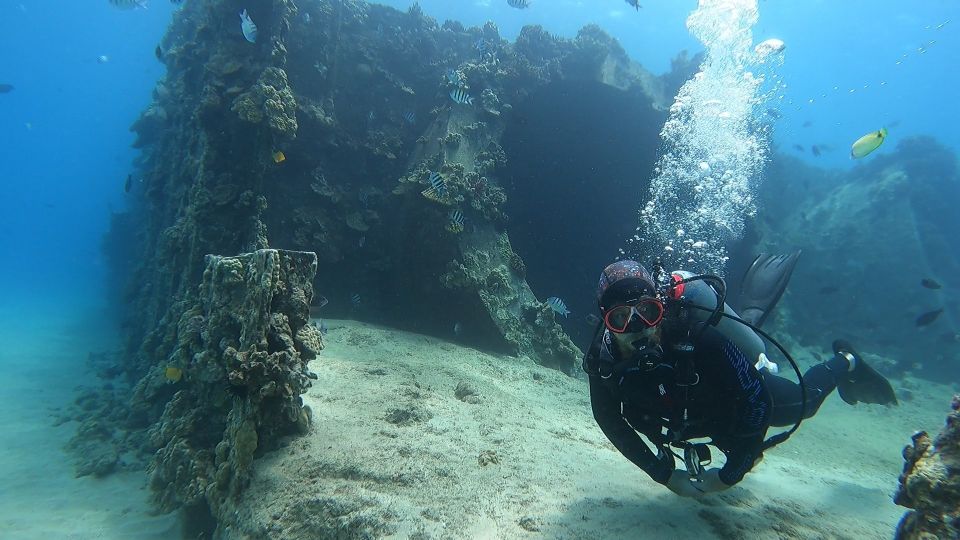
x,y
456,222
437,189
355,300
458,95
558,306
248,28
410,117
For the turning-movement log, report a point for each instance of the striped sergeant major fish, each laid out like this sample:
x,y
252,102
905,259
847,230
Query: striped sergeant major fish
x,y
557,305
456,222
458,95
437,189
519,4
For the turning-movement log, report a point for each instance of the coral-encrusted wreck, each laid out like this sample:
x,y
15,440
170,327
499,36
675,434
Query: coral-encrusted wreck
x,y
375,139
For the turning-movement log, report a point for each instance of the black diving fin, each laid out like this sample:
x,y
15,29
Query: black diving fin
x,y
863,384
763,285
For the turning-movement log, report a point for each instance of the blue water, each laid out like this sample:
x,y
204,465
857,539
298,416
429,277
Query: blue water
x,y
66,145
67,149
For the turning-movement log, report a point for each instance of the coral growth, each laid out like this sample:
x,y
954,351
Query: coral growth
x,y
271,100
243,346
930,485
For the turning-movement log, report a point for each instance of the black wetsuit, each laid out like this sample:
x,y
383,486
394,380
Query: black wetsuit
x,y
731,402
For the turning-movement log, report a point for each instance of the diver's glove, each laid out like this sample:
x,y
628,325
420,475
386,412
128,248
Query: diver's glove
x,y
709,481
680,484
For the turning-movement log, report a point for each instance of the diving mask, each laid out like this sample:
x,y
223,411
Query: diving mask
x,y
645,313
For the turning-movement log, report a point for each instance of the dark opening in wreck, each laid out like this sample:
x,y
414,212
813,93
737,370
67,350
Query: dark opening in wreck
x,y
579,156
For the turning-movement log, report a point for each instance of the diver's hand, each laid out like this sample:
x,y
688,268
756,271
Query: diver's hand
x,y
710,482
680,484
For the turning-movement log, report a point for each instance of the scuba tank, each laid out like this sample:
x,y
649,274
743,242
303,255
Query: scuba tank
x,y
700,293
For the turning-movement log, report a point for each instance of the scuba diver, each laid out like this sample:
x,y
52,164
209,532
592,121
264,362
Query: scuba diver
x,y
672,361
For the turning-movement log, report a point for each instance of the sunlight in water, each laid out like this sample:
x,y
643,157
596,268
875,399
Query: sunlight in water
x,y
713,145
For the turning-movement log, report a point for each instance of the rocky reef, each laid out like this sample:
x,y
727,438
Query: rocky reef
x,y
929,484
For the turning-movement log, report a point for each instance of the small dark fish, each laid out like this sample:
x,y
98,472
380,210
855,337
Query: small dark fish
x,y
519,4
829,289
928,317
6,88
128,184
635,4
798,148
815,150
929,283
176,1
158,52
808,123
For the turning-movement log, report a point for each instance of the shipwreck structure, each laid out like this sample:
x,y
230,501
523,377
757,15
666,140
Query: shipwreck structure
x,y
376,160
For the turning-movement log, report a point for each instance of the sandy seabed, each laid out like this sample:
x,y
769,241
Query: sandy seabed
x,y
416,437
43,359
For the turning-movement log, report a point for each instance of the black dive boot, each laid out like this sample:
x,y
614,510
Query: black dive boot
x,y
863,383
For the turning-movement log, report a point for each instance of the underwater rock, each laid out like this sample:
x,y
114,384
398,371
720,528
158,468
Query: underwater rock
x,y
930,485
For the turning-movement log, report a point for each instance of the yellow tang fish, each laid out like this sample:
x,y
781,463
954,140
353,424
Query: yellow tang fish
x,y
278,157
868,143
173,374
